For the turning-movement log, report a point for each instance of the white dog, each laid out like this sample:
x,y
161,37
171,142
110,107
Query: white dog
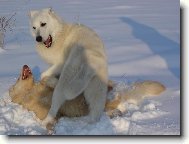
x,y
77,56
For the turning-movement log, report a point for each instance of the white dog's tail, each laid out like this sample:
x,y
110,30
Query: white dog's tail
x,y
135,93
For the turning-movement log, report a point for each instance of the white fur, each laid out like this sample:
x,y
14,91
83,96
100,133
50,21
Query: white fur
x,y
77,55
44,16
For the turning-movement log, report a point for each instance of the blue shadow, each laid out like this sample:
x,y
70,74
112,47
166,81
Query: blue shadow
x,y
36,73
168,49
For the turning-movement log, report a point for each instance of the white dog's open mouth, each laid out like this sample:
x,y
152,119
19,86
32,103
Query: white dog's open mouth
x,y
48,42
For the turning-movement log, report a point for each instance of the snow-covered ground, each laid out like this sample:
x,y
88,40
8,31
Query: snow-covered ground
x,y
142,39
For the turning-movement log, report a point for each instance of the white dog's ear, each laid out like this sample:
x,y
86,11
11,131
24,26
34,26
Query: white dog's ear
x,y
49,10
32,13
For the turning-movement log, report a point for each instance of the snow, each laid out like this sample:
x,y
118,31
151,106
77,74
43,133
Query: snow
x,y
142,40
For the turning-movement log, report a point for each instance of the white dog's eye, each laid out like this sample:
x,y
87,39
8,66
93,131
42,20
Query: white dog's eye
x,y
43,24
34,27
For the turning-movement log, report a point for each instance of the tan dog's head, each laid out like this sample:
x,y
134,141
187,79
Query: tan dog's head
x,y
24,83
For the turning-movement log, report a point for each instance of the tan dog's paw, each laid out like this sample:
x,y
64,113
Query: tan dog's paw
x,y
114,113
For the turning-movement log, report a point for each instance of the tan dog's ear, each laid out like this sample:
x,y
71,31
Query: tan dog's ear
x,y
32,13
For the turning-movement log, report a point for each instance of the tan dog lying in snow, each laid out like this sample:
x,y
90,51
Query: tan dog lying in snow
x,y
36,96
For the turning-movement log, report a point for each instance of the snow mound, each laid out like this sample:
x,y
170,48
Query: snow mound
x,y
15,120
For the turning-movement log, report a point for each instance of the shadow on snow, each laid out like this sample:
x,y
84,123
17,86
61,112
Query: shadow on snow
x,y
168,49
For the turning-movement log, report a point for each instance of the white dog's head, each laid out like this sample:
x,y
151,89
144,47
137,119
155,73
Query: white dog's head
x,y
44,26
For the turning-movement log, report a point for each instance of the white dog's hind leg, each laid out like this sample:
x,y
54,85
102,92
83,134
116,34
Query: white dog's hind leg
x,y
75,77
57,100
95,95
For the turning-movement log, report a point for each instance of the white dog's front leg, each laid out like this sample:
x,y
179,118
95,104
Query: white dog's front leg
x,y
53,70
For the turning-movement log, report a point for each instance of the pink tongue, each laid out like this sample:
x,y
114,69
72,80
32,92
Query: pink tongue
x,y
47,42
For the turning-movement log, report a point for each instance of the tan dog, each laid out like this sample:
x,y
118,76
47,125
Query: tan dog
x,y
36,96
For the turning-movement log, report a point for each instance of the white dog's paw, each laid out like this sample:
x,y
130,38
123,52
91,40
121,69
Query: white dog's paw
x,y
49,122
50,81
45,74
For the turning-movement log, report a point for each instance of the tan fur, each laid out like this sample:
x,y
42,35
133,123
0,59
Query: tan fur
x,y
136,93
37,97
149,88
112,104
